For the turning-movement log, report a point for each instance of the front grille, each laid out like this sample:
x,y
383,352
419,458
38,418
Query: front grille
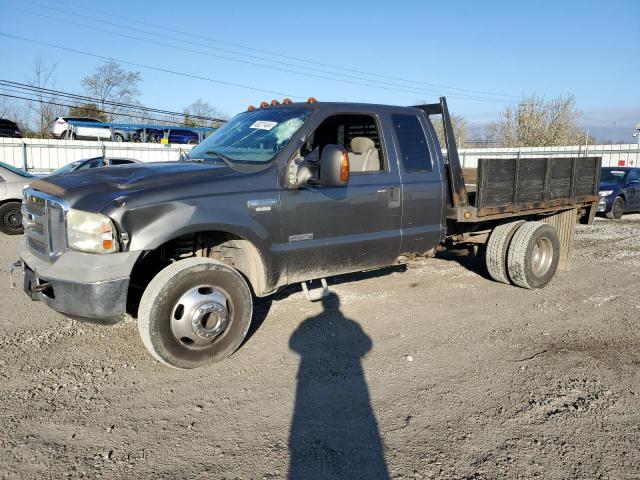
x,y
44,223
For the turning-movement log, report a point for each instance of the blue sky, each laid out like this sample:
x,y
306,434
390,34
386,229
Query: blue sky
x,y
506,48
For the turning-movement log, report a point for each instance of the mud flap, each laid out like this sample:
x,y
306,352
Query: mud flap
x,y
565,224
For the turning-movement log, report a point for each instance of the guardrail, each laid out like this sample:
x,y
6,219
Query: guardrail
x,y
44,155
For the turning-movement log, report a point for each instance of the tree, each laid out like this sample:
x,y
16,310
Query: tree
x,y
535,122
40,114
200,108
112,84
459,124
90,110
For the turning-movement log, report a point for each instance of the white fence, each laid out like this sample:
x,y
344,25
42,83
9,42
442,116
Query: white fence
x,y
39,155
623,155
46,155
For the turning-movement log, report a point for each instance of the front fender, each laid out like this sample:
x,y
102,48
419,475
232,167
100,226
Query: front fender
x,y
151,226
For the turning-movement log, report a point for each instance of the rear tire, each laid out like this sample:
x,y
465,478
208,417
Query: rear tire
x,y
118,137
195,312
11,218
67,135
533,255
617,209
497,249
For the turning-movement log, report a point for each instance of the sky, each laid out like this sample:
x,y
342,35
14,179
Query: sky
x,y
483,55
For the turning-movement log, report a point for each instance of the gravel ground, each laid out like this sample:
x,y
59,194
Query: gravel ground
x,y
432,371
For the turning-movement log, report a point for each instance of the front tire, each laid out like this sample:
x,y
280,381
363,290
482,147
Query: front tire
x,y
617,209
533,255
195,312
11,218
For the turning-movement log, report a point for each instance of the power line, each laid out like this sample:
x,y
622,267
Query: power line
x,y
24,86
392,87
51,102
149,67
164,29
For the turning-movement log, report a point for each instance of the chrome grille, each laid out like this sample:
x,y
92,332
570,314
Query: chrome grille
x,y
44,223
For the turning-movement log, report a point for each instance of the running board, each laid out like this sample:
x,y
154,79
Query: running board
x,y
317,293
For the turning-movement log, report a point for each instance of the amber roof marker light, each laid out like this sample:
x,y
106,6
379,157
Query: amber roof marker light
x,y
287,101
250,108
275,103
311,100
264,104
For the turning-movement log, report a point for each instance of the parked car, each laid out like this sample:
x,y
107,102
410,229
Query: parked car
x,y
9,129
65,129
123,134
281,195
619,191
12,181
96,162
175,135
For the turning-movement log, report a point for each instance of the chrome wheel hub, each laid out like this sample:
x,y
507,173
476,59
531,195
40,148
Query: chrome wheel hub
x,y
542,257
200,315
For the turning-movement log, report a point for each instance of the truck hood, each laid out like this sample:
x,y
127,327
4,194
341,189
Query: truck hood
x,y
102,185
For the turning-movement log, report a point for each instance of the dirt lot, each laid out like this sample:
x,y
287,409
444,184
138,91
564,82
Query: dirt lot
x,y
434,372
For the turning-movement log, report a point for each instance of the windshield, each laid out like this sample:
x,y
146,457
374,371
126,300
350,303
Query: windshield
x,y
16,170
612,176
69,167
253,137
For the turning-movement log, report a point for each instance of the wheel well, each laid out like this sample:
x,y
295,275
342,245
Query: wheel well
x,y
10,200
231,249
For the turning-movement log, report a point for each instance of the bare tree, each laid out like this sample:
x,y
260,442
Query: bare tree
x,y
535,122
459,124
200,108
40,114
112,83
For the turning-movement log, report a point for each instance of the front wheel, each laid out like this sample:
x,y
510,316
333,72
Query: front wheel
x,y
11,218
617,209
195,312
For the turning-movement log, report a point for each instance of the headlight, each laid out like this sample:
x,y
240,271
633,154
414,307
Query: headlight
x,y
91,232
605,193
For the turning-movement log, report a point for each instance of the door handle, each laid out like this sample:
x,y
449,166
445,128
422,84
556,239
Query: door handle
x,y
394,197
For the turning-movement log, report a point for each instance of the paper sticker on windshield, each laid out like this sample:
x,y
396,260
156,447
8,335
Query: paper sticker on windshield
x,y
263,125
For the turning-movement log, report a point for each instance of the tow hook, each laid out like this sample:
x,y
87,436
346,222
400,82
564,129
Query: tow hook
x,y
12,267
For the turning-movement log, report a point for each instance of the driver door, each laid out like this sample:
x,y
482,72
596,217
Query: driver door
x,y
333,230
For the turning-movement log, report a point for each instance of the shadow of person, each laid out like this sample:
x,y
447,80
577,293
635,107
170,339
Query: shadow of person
x,y
334,433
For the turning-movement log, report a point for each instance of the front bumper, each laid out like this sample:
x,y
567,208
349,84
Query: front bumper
x,y
86,287
606,203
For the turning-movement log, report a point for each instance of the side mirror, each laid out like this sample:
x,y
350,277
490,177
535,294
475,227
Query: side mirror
x,y
331,169
334,166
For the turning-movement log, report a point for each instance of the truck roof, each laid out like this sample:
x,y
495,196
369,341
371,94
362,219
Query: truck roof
x,y
341,106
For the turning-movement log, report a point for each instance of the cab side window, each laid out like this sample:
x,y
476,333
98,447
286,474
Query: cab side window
x,y
414,151
634,176
358,134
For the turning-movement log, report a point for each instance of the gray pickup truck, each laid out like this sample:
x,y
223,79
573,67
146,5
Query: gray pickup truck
x,y
282,194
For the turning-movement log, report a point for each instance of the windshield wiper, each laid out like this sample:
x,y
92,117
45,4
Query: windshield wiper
x,y
224,157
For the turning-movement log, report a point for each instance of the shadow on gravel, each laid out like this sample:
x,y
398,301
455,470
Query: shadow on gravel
x,y
467,259
334,433
261,306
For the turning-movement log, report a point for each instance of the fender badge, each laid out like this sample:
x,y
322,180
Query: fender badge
x,y
300,237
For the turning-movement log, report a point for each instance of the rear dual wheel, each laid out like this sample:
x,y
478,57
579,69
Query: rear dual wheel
x,y
524,253
195,312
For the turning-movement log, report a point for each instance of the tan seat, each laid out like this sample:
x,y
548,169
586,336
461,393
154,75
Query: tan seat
x,y
364,155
